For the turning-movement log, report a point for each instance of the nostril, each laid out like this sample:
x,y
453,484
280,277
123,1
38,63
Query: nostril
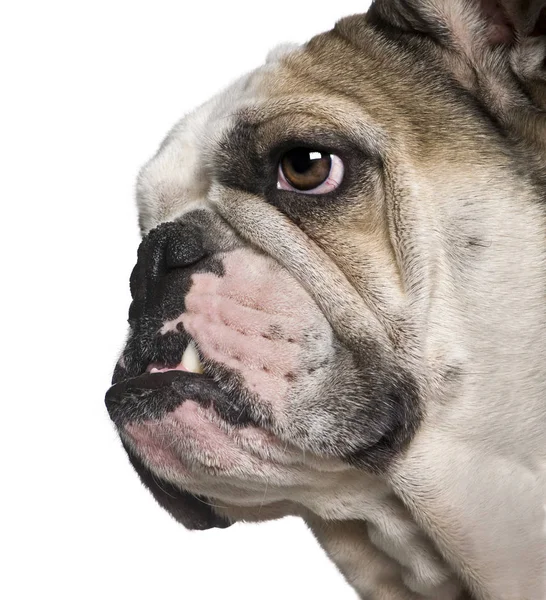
x,y
184,249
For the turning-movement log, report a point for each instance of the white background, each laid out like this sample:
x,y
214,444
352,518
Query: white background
x,y
88,92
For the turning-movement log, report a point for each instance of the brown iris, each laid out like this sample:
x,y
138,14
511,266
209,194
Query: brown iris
x,y
306,169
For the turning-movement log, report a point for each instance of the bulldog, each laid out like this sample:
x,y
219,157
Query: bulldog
x,y
339,302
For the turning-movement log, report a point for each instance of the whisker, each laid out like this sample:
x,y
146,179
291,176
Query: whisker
x,y
158,483
210,503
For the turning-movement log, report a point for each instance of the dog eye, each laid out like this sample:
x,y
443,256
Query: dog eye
x,y
309,171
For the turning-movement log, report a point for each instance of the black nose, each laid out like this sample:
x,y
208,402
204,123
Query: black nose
x,y
183,245
168,247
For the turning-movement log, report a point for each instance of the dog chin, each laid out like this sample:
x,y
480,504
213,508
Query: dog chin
x,y
176,439
198,465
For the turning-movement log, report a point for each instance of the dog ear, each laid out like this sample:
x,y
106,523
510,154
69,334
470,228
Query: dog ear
x,y
465,25
495,48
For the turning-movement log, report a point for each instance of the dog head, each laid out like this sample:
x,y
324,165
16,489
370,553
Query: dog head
x,y
309,296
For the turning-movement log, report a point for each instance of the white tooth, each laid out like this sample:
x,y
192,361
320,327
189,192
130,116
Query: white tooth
x,y
190,359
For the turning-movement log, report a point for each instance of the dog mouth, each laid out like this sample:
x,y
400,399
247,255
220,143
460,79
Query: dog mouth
x,y
154,396
190,362
152,392
162,386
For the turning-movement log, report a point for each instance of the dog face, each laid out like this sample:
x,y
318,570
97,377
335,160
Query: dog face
x,y
316,306
276,336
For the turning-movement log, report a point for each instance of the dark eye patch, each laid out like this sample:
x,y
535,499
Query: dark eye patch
x,y
249,155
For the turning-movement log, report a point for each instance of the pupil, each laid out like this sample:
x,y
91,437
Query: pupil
x,y
302,159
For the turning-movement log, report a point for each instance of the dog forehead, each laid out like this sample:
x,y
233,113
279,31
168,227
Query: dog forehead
x,y
176,179
295,81
358,90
